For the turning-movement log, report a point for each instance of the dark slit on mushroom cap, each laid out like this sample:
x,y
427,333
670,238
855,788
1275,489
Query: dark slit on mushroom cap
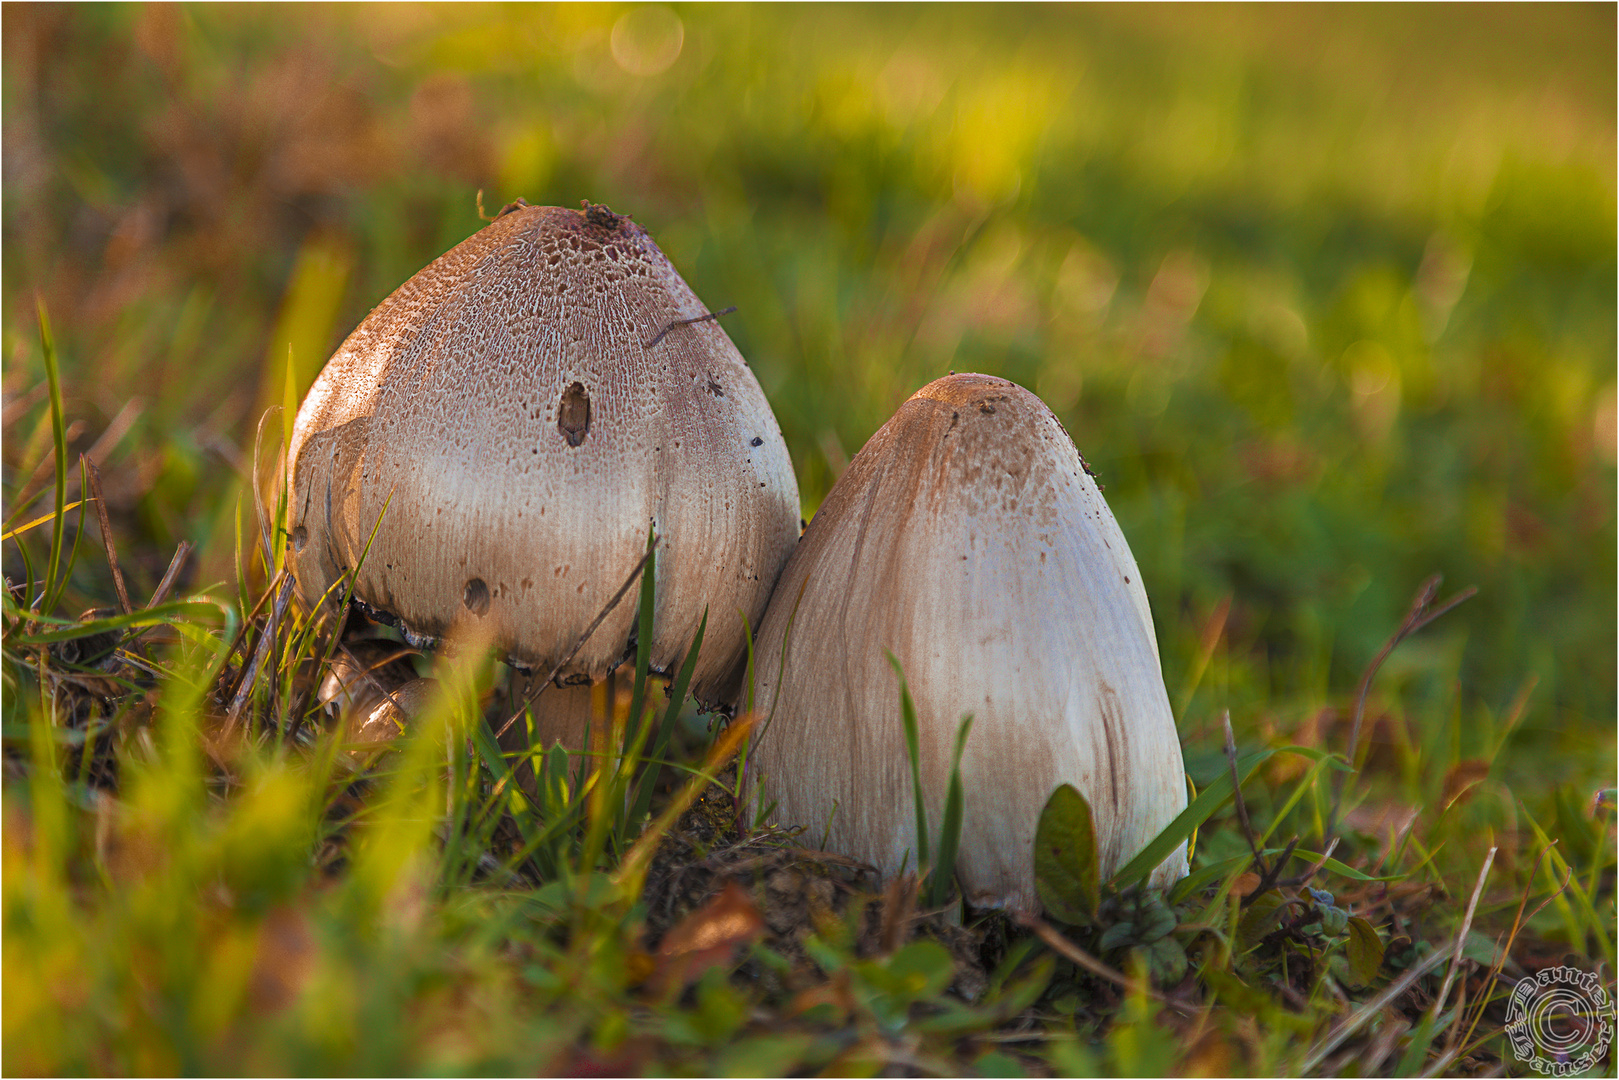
x,y
476,597
573,415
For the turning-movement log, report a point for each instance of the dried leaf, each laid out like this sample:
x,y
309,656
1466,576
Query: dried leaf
x,y
708,937
1365,951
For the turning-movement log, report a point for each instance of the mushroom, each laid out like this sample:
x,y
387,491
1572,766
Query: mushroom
x,y
511,422
968,539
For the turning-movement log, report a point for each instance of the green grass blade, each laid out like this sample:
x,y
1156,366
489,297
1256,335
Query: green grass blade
x,y
950,828
59,441
55,598
1210,800
203,610
677,701
1196,813
913,750
643,640
43,519
241,568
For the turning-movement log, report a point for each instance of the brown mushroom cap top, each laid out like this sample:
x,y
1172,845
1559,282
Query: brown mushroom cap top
x,y
516,410
968,539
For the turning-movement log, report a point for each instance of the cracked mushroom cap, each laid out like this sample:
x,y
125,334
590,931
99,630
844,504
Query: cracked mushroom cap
x,y
969,538
517,403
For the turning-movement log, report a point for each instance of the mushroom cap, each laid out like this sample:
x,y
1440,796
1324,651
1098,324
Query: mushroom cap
x,y
968,538
510,407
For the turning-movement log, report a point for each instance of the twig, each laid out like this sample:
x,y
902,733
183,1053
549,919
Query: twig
x,y
1068,950
169,575
591,629
1373,1006
1236,793
1420,614
688,322
1505,950
1461,935
247,621
1272,875
106,535
250,676
1305,878
161,593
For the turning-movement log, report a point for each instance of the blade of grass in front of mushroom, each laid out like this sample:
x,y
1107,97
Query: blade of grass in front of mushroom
x,y
609,808
468,829
283,495
312,623
781,665
943,875
644,631
396,824
632,868
742,761
913,751
642,804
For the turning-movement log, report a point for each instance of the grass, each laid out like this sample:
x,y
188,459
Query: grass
x,y
1324,296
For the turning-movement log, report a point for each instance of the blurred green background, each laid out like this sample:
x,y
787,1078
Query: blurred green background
x,y
1325,295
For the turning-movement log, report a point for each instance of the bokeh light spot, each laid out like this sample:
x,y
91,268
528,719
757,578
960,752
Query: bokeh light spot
x,y
647,40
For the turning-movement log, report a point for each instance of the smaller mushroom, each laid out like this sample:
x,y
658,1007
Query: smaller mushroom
x,y
394,713
362,674
968,539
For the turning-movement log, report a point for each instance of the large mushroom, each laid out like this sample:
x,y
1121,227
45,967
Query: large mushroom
x,y
969,539
526,408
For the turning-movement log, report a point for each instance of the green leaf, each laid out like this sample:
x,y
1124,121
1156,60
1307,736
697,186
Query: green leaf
x,y
767,1055
1260,919
995,1063
1166,960
1122,933
1067,873
1156,917
1365,951
921,970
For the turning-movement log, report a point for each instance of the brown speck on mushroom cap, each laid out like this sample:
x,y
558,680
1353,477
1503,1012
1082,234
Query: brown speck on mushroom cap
x,y
504,398
966,538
